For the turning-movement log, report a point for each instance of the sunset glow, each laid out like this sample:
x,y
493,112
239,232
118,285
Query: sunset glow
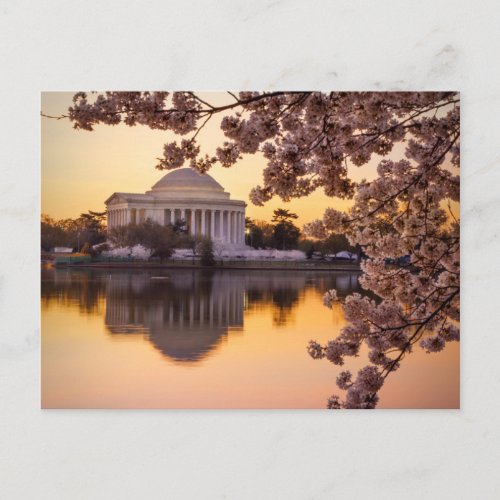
x,y
81,169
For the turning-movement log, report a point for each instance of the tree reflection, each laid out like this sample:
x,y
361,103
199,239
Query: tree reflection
x,y
83,289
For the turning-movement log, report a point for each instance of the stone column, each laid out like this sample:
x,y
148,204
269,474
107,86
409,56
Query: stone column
x,y
233,226
193,222
221,224
172,216
242,228
203,229
183,214
212,224
238,227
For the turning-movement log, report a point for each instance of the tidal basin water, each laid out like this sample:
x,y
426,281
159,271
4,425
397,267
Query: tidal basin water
x,y
209,339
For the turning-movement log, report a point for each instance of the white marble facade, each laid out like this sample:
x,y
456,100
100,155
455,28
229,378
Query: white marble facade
x,y
183,194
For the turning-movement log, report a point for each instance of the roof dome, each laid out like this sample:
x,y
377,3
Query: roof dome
x,y
187,179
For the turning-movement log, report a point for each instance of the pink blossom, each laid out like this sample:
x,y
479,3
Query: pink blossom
x,y
329,298
402,217
315,350
344,379
435,343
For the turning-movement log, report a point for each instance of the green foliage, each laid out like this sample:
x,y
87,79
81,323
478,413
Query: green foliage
x,y
161,240
207,252
332,245
335,243
255,233
180,226
283,215
285,233
52,234
75,233
308,247
119,236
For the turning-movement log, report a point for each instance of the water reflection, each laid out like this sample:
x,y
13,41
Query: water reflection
x,y
186,314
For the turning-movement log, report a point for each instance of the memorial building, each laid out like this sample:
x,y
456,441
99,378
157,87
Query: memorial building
x,y
183,194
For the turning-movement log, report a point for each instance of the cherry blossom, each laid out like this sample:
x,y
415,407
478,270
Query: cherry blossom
x,y
403,219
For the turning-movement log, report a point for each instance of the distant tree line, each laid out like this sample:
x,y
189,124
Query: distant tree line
x,y
87,230
281,233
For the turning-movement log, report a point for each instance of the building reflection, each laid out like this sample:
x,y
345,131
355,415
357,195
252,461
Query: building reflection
x,y
186,314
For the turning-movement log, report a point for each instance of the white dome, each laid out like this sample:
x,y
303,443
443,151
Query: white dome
x,y
183,193
187,179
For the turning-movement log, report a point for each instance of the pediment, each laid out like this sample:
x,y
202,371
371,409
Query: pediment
x,y
115,199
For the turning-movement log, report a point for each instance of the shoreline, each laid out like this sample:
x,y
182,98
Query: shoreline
x,y
257,266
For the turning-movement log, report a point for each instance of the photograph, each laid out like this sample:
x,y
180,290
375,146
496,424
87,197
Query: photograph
x,y
250,250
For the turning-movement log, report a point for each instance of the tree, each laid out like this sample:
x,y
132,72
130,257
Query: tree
x,y
285,233
91,227
219,249
161,240
313,140
194,244
207,252
308,247
283,215
254,234
262,234
52,234
180,226
119,236
88,228
334,244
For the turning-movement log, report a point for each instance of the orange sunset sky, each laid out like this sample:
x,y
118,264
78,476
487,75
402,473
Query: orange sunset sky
x,y
81,169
